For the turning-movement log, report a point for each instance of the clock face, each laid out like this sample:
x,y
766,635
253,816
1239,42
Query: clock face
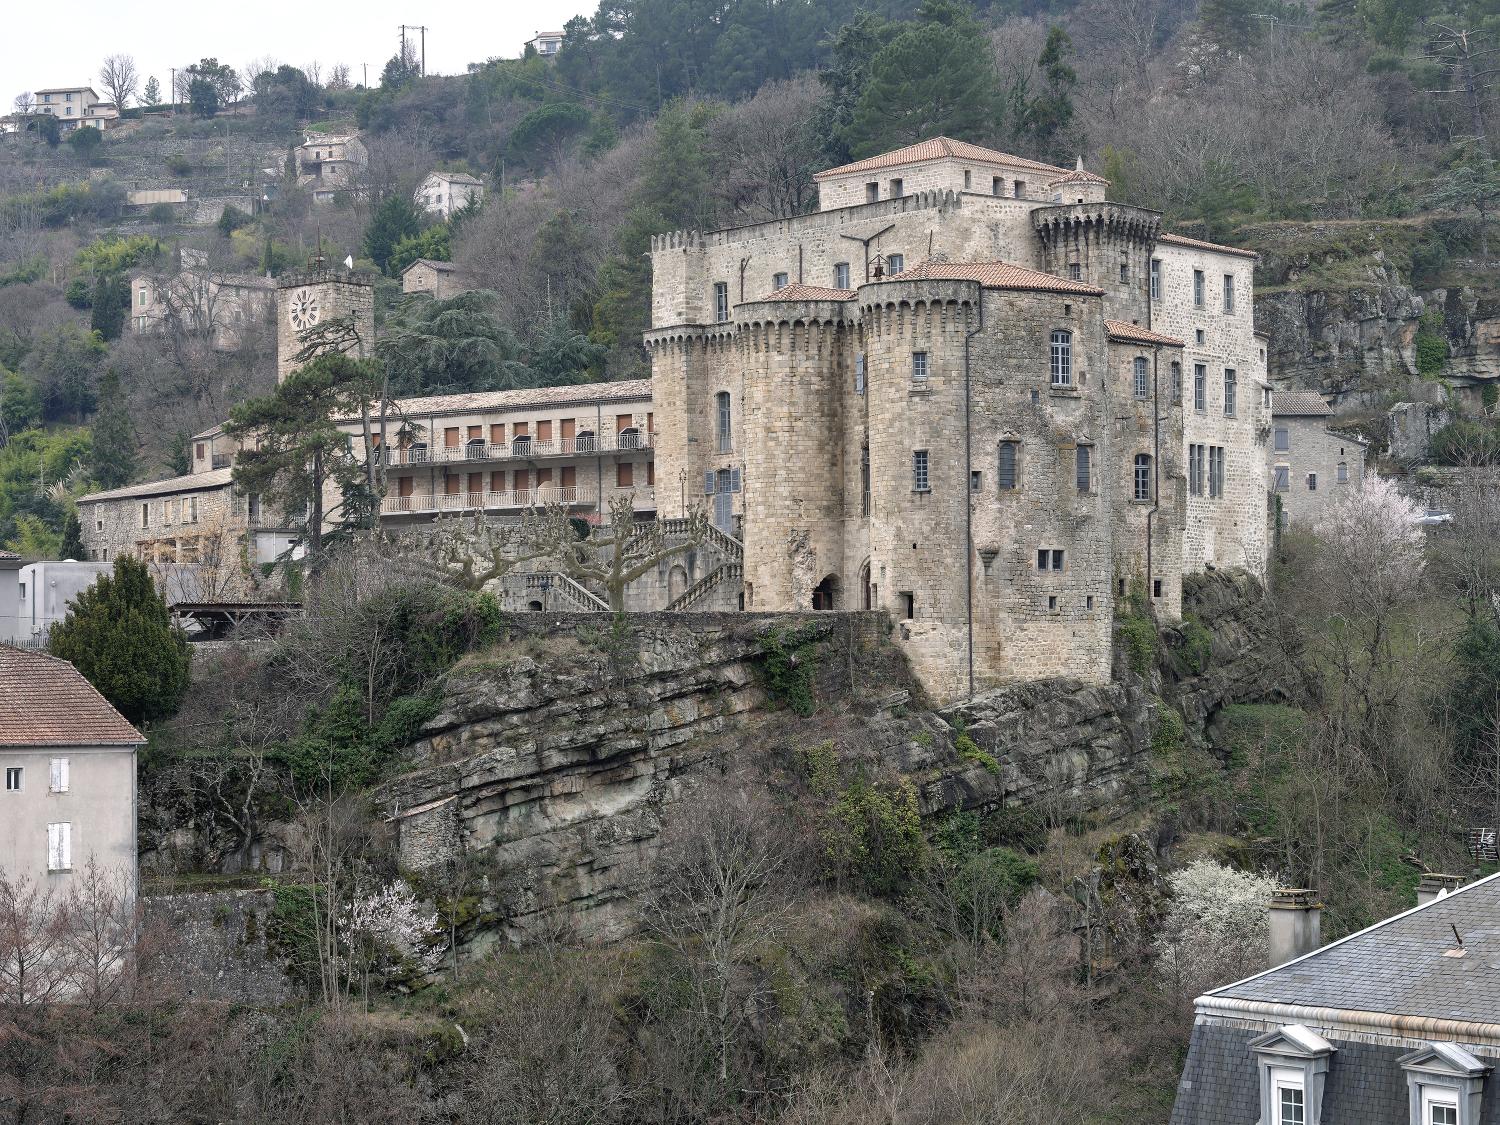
x,y
303,309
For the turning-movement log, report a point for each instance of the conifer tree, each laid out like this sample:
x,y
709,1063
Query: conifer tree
x,y
72,538
119,634
112,459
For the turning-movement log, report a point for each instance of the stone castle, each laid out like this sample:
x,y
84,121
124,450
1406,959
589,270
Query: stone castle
x,y
968,390
971,391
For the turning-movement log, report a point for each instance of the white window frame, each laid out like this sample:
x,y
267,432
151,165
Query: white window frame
x,y
721,301
1438,1097
15,779
779,281
921,368
1292,1057
841,275
921,471
1142,489
895,263
1229,294
1444,1074
1231,391
1200,289
57,775
1200,387
1062,357
1156,279
1287,1079
1140,378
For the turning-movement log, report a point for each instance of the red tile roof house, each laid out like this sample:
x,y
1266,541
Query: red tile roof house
x,y
68,763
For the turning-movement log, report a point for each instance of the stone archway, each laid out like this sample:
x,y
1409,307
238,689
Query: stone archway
x,y
677,582
825,594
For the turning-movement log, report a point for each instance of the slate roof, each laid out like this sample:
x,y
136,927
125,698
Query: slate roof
x,y
996,275
458,178
192,482
1199,244
939,148
799,292
622,390
1307,404
441,267
1365,1083
1135,334
1398,966
45,701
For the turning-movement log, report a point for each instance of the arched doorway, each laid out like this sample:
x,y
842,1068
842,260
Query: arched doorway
x,y
677,583
825,594
866,598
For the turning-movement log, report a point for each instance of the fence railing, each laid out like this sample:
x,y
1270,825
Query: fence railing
x,y
489,501
525,449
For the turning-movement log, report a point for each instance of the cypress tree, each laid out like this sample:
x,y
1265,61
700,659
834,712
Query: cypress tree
x,y
72,540
119,635
112,459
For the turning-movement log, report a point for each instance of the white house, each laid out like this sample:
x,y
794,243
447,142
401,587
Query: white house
x,y
443,193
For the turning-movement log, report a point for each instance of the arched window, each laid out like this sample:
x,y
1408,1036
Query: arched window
x,y
1141,383
1008,465
1143,476
1062,358
721,401
1084,459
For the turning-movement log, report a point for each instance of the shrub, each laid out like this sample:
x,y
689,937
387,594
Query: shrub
x,y
1137,635
179,165
1465,442
119,635
876,835
969,751
161,213
786,669
1197,646
1017,827
79,293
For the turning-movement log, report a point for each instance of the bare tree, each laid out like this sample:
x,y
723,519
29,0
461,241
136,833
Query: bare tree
x,y
338,77
25,102
614,559
769,151
119,76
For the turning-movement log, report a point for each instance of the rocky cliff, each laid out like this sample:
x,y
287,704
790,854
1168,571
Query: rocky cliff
x,y
559,755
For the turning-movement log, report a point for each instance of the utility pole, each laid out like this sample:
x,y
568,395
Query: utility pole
x,y
364,69
174,91
424,51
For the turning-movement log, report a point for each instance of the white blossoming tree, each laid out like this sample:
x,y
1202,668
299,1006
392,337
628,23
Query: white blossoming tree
x,y
388,935
1216,929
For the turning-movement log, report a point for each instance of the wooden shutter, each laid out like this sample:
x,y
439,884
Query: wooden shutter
x,y
624,474
569,476
497,481
476,433
567,429
543,476
59,775
497,433
544,431
59,847
405,485
451,484
650,472
519,430
450,437
708,483
476,482
734,480
624,422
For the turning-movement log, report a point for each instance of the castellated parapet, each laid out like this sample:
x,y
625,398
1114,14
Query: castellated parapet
x,y
970,405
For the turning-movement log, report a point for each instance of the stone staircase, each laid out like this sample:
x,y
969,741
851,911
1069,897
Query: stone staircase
x,y
728,572
559,592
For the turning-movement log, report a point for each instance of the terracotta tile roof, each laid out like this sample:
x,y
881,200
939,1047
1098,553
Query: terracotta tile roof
x,y
1299,404
45,701
9,555
621,391
799,292
1078,176
192,482
996,275
1135,334
1199,244
441,267
938,148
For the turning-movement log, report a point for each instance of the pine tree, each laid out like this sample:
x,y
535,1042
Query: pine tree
x,y
152,96
111,299
935,78
112,459
395,219
119,635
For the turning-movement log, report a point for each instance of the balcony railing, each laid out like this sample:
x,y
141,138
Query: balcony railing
x,y
570,495
523,449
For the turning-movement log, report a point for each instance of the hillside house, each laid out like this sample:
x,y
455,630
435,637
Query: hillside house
x,y
442,193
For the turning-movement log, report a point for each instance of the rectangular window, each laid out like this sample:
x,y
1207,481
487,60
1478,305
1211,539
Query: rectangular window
x,y
1343,473
1195,470
198,451
1283,439
1141,381
1143,476
1282,478
967,178
872,192
919,479
1200,386
976,481
1176,382
725,430
1082,466
1124,268
190,510
1198,336
1051,603
58,775
721,301
1312,482
450,437
1020,189
859,374
864,481
919,367
1290,1109
841,275
15,778
1075,271
145,515
895,263
1049,558
1229,294
1009,453
1156,279
997,185
624,474
1216,472
778,281
1198,289
1062,358
60,847
1230,390
897,190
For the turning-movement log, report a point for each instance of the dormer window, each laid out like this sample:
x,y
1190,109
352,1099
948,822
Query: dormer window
x,y
1445,1085
1293,1065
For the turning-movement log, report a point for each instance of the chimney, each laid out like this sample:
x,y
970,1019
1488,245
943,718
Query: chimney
x,y
1296,924
1434,886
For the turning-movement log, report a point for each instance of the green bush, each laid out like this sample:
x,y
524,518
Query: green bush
x,y
786,667
179,165
162,213
79,293
969,751
877,835
1466,442
1137,635
1017,827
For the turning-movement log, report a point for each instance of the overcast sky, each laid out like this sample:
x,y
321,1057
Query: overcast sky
x,y
42,46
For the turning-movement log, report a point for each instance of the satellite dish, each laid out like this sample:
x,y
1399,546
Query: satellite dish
x,y
349,262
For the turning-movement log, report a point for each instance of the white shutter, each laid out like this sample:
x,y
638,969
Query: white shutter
x,y
708,483
59,847
59,775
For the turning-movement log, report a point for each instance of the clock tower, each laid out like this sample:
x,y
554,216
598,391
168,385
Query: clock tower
x,y
330,308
